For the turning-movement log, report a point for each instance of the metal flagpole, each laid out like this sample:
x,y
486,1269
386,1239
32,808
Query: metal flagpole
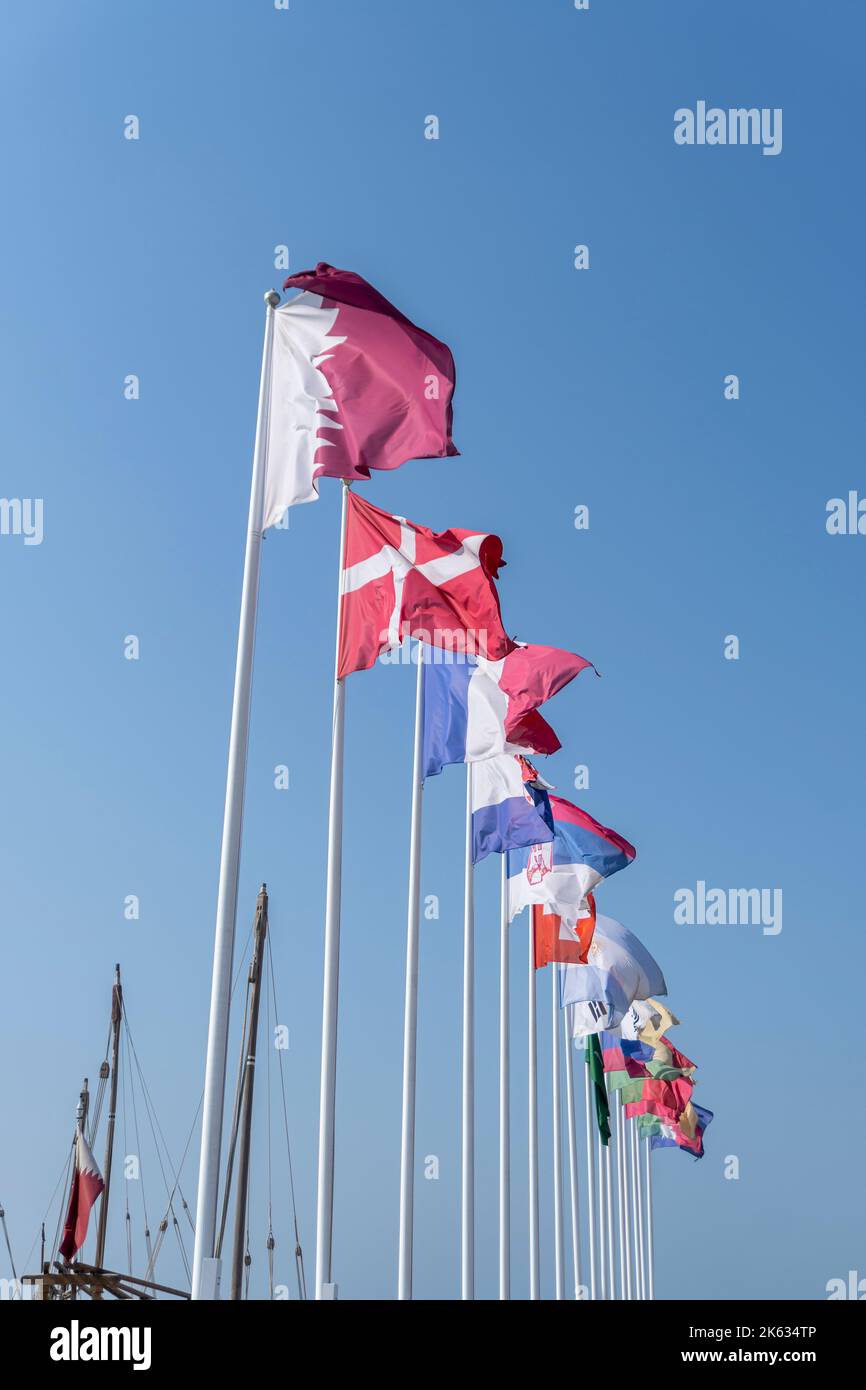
x,y
611,1263
574,1187
602,1231
590,1177
622,1194
650,1257
633,1197
504,1094
467,1262
410,1013
638,1209
205,1269
558,1232
325,1288
534,1250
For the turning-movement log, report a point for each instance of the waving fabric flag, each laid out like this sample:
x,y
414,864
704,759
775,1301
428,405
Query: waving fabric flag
x,y
641,1013
658,1023
560,876
86,1186
354,385
555,942
667,1136
624,1061
402,580
478,707
507,811
667,1062
593,1059
666,1099
619,970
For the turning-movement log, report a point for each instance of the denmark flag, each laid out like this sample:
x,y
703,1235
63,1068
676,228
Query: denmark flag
x,y
87,1184
401,580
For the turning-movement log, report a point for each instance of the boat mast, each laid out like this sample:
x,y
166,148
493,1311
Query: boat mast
x,y
116,1017
246,1110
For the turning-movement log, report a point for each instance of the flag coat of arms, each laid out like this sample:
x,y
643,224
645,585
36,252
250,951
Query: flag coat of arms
x,y
476,707
403,580
87,1184
354,385
559,876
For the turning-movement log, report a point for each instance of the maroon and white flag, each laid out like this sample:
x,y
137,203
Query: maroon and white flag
x,y
354,385
402,580
86,1186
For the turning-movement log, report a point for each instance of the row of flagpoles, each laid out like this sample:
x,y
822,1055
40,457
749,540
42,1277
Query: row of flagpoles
x,y
348,384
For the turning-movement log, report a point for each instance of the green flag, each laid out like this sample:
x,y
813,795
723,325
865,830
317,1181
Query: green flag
x,y
593,1059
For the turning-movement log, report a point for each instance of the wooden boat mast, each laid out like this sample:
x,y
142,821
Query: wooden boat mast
x,y
116,1019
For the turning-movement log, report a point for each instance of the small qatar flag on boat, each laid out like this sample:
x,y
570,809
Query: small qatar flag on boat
x,y
508,808
560,875
475,707
403,580
86,1186
354,385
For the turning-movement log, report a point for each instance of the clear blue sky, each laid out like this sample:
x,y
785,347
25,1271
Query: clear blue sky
x,y
604,388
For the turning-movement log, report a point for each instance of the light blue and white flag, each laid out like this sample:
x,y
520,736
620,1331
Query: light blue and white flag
x,y
619,970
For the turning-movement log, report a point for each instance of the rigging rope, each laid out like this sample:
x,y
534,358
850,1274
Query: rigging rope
x,y
299,1253
8,1245
63,1172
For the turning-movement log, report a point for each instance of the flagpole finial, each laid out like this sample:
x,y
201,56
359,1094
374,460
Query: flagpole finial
x,y
272,299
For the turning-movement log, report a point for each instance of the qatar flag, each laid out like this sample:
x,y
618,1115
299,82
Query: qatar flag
x,y
353,385
403,580
86,1186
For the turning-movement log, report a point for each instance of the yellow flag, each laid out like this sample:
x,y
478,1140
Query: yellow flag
x,y
652,1032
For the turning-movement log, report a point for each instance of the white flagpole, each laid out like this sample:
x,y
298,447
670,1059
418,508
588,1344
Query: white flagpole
x,y
622,1195
504,1094
328,1083
602,1232
574,1186
649,1221
638,1205
534,1250
227,894
558,1232
467,1262
590,1175
410,1013
633,1155
611,1263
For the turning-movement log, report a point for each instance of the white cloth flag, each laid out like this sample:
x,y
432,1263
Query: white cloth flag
x,y
619,970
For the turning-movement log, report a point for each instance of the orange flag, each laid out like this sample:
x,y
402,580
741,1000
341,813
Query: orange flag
x,y
556,942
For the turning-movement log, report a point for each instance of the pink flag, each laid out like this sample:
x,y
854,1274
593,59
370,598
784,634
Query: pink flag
x,y
403,580
529,676
86,1186
354,385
